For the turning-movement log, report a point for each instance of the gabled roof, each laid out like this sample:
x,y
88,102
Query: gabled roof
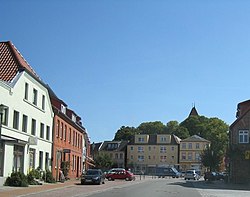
x,y
242,114
12,62
121,145
153,140
194,138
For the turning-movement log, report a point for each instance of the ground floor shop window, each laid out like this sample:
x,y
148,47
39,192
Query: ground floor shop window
x,y
18,158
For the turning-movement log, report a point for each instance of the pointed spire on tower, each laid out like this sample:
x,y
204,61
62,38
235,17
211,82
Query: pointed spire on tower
x,y
193,111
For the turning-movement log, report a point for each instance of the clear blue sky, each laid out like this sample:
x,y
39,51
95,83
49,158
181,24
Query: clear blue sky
x,y
124,62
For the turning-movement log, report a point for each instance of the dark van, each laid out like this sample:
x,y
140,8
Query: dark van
x,y
162,172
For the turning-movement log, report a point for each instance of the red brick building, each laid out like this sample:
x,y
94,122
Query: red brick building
x,y
239,151
68,139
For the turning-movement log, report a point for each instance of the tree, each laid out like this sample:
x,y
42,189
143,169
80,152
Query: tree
x,y
103,161
173,127
212,129
196,125
156,127
125,133
210,159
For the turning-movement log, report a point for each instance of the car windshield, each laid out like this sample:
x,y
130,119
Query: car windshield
x,y
92,172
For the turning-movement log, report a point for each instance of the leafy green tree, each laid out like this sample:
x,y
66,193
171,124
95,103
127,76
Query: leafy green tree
x,y
212,129
173,127
125,133
210,159
103,161
196,125
156,127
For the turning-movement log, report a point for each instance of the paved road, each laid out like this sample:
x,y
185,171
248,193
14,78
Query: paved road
x,y
153,188
147,187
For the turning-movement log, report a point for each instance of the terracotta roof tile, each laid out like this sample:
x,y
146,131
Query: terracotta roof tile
x,y
11,62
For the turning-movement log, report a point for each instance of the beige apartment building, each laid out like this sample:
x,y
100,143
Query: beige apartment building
x,y
147,152
190,152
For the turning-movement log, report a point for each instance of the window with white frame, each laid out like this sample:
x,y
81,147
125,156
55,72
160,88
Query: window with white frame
x,y
197,145
163,139
43,102
25,123
163,149
41,130
48,133
140,157
183,146
16,120
190,156
140,149
183,156
243,136
33,127
189,145
163,158
26,91
34,96
140,139
197,157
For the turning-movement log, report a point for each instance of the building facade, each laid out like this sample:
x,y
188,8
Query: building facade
x,y
68,140
26,116
239,145
190,153
116,150
147,152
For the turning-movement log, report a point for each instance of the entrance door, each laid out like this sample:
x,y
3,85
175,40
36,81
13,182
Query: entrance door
x,y
18,158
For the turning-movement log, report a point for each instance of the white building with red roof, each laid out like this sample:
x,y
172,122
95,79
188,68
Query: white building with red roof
x,y
26,116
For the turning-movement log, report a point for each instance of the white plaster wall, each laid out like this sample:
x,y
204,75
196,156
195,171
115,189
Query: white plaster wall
x,y
8,159
13,97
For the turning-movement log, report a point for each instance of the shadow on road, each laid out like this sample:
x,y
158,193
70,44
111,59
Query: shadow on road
x,y
220,185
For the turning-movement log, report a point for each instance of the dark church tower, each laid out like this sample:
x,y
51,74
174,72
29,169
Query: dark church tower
x,y
193,112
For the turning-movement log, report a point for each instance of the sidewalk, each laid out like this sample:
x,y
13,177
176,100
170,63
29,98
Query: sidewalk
x,y
6,191
221,184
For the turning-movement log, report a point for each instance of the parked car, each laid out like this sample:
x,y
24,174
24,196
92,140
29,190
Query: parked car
x,y
211,176
93,176
191,174
220,175
120,173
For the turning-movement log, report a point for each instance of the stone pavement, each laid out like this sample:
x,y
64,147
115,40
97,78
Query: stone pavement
x,y
6,191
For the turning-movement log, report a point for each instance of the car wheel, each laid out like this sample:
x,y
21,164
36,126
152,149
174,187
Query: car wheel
x,y
110,179
127,179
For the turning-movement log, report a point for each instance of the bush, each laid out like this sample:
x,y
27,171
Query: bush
x,y
17,179
36,173
65,168
47,177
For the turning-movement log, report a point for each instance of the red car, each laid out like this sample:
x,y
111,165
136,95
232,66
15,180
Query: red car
x,y
120,173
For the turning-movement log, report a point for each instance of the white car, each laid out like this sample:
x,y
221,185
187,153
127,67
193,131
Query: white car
x,y
191,174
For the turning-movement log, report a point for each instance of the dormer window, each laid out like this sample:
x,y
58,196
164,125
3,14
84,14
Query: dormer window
x,y
63,109
73,118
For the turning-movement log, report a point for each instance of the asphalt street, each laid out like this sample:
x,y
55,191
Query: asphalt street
x,y
148,187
